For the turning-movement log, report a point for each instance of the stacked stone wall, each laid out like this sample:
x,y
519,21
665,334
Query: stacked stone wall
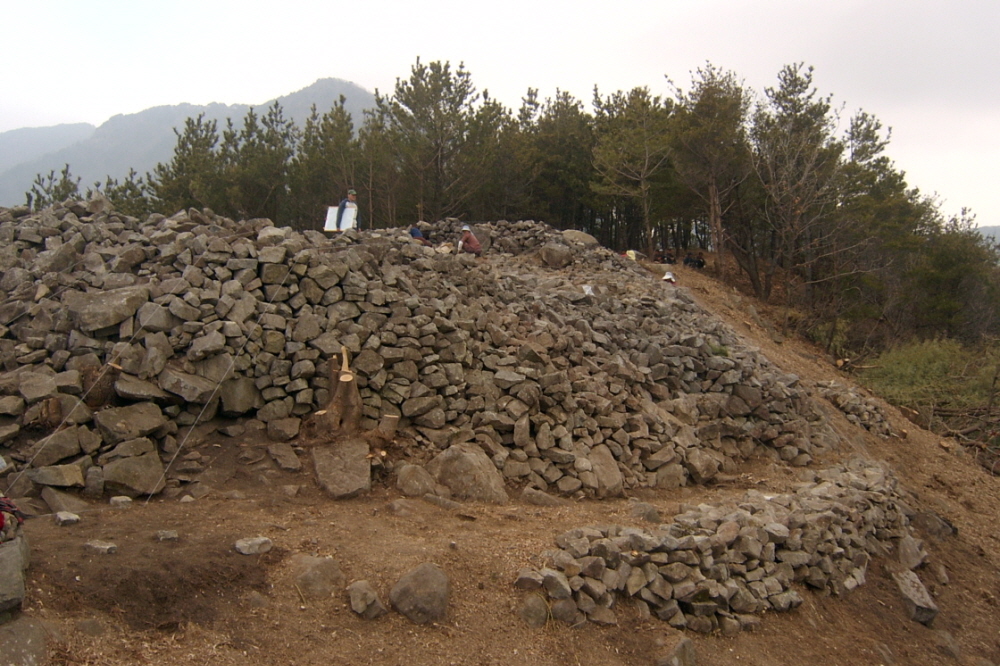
x,y
572,367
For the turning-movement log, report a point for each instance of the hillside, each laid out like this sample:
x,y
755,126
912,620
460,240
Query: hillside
x,y
659,450
141,140
24,144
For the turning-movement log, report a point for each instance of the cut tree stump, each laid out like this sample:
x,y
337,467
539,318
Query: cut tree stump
x,y
342,415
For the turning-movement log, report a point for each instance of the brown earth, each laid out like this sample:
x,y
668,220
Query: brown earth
x,y
196,601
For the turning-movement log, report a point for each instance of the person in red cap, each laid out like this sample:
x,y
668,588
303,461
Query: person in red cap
x,y
469,243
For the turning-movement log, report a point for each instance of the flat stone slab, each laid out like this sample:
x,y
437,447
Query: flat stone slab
x,y
284,455
343,469
123,423
24,641
12,565
253,545
100,310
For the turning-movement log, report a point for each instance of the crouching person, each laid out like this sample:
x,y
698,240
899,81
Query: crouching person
x,y
469,243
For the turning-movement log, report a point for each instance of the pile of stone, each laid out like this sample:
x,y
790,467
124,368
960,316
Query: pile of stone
x,y
860,409
714,567
576,370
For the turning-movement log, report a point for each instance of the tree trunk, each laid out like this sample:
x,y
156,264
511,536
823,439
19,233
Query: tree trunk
x,y
715,227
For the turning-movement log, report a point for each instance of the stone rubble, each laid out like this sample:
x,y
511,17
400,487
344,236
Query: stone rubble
x,y
714,566
859,409
575,371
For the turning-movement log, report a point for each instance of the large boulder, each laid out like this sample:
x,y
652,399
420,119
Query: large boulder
x,y
422,594
94,311
138,475
609,478
123,423
469,473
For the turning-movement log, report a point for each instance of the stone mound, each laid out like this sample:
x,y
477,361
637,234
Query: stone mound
x,y
579,375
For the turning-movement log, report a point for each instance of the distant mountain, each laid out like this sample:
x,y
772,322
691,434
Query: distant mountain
x,y
28,143
990,231
142,140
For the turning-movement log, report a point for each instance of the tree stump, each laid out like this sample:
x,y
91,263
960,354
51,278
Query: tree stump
x,y
342,415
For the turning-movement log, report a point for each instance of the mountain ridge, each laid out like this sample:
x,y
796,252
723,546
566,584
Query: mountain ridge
x,y
141,140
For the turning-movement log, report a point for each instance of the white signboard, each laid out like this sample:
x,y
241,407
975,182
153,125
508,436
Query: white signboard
x,y
347,221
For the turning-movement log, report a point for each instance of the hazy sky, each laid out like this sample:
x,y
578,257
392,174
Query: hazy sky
x,y
927,69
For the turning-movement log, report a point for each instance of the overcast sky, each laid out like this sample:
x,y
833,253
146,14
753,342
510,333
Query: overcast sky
x,y
926,68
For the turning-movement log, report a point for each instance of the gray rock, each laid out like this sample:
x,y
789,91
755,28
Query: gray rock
x,y
34,387
365,600
284,455
192,388
253,545
239,395
415,481
131,387
57,446
675,650
62,476
11,405
917,599
120,502
529,579
66,518
128,449
911,552
422,594
101,547
59,501
154,317
534,611
603,616
343,469
580,237
556,584
540,498
139,475
9,432
93,484
12,566
95,311
316,578
25,642
282,430
469,474
555,255
122,423
605,467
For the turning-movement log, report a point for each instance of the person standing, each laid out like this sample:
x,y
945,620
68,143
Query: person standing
x,y
349,202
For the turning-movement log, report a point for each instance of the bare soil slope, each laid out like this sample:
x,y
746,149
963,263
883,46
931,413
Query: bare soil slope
x,y
196,600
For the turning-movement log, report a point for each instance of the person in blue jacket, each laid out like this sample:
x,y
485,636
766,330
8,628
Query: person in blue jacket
x,y
350,201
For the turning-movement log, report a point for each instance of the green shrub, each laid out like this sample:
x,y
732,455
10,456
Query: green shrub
x,y
934,372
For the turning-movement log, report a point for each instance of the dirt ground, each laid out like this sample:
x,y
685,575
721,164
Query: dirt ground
x,y
197,601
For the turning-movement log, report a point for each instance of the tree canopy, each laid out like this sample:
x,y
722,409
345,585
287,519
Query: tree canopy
x,y
796,208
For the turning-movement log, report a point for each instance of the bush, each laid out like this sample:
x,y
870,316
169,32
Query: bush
x,y
934,372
